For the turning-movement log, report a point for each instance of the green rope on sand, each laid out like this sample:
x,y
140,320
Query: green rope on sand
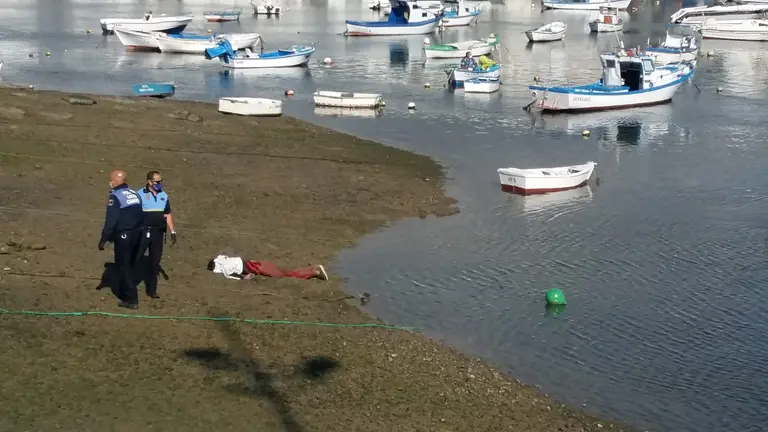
x,y
200,318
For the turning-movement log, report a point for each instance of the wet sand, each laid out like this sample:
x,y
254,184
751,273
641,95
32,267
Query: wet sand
x,y
277,189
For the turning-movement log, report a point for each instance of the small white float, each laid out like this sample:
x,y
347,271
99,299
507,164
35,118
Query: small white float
x,y
347,99
482,85
251,106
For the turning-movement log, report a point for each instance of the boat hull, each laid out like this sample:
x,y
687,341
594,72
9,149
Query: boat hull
x,y
621,4
160,24
534,36
663,57
458,53
260,63
458,76
601,27
198,46
516,181
359,28
160,90
482,86
561,100
245,106
347,100
460,21
137,40
221,17
728,33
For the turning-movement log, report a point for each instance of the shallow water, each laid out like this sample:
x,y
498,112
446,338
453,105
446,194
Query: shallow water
x,y
662,261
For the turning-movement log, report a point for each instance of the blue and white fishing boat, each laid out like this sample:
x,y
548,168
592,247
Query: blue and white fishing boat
x,y
297,55
629,80
461,15
678,45
485,68
406,18
158,90
585,4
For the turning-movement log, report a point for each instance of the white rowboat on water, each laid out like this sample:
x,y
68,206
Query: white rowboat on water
x,y
544,180
750,30
347,99
251,106
554,31
167,24
198,44
459,49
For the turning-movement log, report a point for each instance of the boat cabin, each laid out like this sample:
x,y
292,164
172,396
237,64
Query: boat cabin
x,y
680,36
461,9
409,12
608,15
627,69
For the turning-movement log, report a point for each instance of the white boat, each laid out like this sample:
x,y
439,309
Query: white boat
x,y
297,55
347,99
150,23
266,8
407,18
544,180
198,44
749,30
628,80
608,20
482,85
460,15
584,4
554,31
458,50
223,16
728,12
485,69
136,40
679,45
251,106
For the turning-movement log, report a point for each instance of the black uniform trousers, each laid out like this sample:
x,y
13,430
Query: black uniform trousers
x,y
152,240
125,245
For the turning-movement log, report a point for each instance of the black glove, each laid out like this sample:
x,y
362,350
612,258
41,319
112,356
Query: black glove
x,y
173,238
101,244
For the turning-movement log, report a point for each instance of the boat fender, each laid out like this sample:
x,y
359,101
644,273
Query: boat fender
x,y
555,297
534,94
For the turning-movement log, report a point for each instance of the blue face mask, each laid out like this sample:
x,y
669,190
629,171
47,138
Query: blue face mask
x,y
158,187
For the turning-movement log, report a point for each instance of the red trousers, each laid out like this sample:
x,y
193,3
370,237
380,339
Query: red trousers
x,y
266,268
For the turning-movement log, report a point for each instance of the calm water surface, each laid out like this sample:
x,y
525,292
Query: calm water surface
x,y
663,261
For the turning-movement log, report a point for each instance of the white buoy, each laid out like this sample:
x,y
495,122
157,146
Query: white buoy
x,y
710,53
719,89
411,105
427,41
289,93
383,103
427,85
533,5
327,61
210,31
585,133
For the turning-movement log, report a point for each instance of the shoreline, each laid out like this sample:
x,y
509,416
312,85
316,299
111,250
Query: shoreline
x,y
275,170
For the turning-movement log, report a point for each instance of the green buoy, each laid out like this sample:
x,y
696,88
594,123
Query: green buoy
x,y
555,297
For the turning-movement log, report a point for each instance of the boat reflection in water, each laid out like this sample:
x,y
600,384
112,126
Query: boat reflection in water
x,y
560,201
349,112
286,72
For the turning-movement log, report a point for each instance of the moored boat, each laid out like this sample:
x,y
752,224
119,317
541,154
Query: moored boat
x,y
486,68
749,30
223,16
347,99
406,18
544,180
608,20
297,55
584,4
482,85
136,40
158,90
266,8
247,106
553,31
459,49
150,23
461,15
628,80
197,44
727,12
679,45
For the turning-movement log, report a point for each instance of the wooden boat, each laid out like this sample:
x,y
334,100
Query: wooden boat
x,y
158,90
459,49
247,106
628,80
679,45
608,20
461,15
482,85
749,30
297,55
347,99
223,16
544,180
728,12
266,8
486,69
406,18
553,31
584,4
150,23
197,44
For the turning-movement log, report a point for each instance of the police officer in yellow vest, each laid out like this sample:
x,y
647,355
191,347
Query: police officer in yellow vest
x,y
157,220
122,227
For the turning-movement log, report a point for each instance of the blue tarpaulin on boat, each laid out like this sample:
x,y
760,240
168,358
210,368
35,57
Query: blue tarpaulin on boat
x,y
399,13
224,48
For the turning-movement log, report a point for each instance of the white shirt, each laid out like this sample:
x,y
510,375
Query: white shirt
x,y
228,266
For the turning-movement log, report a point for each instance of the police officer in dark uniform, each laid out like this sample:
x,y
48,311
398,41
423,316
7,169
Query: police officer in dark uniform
x,y
122,227
157,220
